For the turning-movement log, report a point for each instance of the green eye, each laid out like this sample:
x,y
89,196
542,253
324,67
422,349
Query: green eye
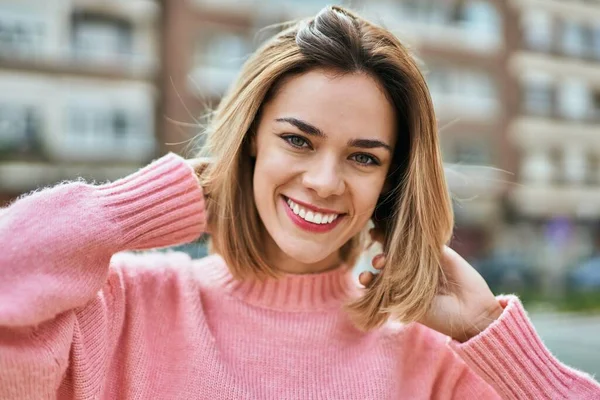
x,y
297,141
365,159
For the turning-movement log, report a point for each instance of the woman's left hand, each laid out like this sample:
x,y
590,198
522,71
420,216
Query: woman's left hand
x,y
468,308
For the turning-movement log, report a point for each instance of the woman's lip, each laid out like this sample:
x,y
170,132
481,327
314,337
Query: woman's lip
x,y
309,226
313,208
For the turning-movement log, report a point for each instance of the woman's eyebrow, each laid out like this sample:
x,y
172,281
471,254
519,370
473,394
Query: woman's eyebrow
x,y
369,144
314,131
303,126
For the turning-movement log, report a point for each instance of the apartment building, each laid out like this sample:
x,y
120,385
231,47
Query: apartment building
x,y
462,48
205,44
460,43
515,86
555,63
78,90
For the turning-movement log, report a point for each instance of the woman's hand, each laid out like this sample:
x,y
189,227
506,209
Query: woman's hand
x,y
467,309
198,164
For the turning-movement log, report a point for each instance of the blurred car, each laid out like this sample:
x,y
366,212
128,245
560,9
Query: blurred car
x,y
586,276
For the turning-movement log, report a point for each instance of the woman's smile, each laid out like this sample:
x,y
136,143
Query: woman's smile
x,y
311,218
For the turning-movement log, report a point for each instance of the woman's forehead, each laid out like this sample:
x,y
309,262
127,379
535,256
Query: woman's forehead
x,y
351,103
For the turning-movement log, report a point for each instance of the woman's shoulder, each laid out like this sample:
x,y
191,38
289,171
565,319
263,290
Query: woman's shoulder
x,y
414,336
151,266
161,272
150,262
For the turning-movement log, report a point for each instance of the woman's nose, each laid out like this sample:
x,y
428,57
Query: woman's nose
x,y
324,177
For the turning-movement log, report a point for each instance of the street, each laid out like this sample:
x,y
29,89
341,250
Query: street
x,y
573,339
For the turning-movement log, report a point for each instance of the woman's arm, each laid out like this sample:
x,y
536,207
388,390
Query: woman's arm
x,y
57,243
511,357
56,250
499,342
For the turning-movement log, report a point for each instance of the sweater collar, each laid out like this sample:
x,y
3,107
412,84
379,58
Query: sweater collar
x,y
292,292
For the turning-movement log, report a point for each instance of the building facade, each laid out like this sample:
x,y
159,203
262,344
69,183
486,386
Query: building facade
x,y
555,64
97,88
460,43
78,90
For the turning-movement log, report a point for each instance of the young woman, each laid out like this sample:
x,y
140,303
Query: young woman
x,y
329,126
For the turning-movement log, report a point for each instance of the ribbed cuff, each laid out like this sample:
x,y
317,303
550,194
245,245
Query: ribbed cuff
x,y
160,205
511,357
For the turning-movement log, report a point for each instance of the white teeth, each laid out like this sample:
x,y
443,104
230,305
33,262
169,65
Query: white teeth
x,y
310,216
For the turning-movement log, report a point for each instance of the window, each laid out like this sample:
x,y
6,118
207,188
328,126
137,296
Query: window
x,y
120,124
537,95
21,34
418,9
481,19
575,165
19,129
476,84
596,106
218,57
574,39
538,167
221,49
461,81
100,37
98,124
595,32
478,15
537,30
474,152
574,100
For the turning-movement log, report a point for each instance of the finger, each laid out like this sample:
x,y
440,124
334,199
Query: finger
x,y
199,164
365,278
378,261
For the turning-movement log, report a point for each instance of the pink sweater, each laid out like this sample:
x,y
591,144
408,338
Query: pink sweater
x,y
78,321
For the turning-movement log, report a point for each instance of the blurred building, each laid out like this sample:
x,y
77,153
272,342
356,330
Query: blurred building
x,y
205,44
96,88
514,84
462,47
78,90
555,64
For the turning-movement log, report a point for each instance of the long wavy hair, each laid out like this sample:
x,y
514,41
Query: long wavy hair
x,y
414,217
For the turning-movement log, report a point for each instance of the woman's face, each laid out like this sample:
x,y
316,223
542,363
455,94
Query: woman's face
x,y
323,148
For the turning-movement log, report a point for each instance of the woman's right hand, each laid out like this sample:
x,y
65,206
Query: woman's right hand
x,y
199,165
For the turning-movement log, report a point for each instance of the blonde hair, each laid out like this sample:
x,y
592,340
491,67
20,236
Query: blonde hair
x,y
414,217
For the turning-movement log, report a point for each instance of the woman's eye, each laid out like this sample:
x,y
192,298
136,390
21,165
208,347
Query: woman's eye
x,y
365,159
296,141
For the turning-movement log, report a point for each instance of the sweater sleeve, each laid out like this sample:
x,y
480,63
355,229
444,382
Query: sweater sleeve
x,y
57,243
511,357
62,297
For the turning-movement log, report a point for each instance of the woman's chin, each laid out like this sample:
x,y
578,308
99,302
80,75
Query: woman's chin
x,y
309,255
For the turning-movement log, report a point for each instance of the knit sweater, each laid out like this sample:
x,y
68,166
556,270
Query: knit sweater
x,y
80,318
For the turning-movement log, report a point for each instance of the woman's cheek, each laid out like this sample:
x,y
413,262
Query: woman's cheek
x,y
366,193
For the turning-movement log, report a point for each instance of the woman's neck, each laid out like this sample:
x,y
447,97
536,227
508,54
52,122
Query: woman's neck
x,y
284,263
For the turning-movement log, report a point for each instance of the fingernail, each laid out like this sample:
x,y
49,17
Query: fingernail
x,y
376,260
